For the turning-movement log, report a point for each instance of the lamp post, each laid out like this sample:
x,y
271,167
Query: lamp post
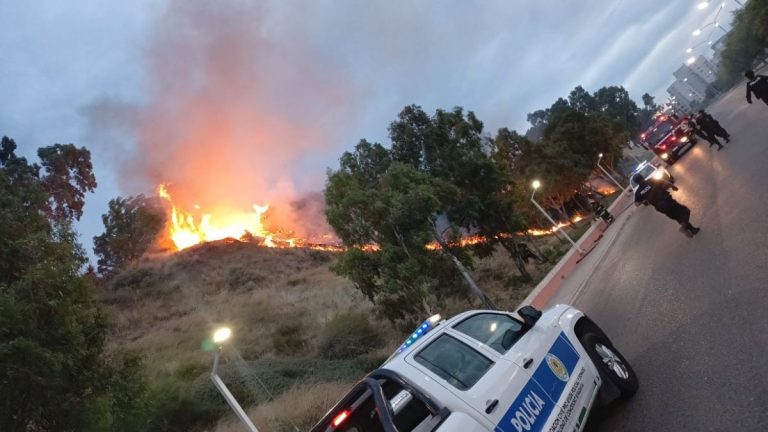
x,y
221,336
537,184
599,157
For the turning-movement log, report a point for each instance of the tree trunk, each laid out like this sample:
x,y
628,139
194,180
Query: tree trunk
x,y
511,246
487,302
535,245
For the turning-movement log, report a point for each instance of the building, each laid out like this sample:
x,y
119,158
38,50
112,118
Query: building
x,y
691,78
718,46
683,96
705,69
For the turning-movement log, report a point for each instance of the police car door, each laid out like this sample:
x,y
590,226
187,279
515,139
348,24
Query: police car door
x,y
546,357
478,379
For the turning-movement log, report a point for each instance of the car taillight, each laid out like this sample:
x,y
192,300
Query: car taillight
x,y
339,419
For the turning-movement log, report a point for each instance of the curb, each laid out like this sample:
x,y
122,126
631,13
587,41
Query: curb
x,y
548,286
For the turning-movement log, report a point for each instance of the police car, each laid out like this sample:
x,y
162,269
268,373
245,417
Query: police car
x,y
651,173
486,370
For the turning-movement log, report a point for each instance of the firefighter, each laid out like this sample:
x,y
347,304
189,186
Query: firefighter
x,y
757,84
655,194
714,126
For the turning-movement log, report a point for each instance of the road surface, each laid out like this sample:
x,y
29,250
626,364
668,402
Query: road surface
x,y
691,315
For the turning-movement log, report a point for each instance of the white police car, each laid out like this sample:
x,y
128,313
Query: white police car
x,y
651,173
488,371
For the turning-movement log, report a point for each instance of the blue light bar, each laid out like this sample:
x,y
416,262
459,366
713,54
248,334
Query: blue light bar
x,y
423,329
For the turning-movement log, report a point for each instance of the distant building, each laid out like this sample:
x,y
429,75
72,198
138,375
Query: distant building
x,y
684,95
718,46
705,69
690,77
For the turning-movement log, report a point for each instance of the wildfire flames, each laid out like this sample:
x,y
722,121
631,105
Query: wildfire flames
x,y
186,229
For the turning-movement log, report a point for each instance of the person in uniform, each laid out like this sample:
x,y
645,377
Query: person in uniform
x,y
704,130
714,126
655,193
757,85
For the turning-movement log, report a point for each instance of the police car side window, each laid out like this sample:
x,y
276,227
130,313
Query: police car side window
x,y
498,331
454,361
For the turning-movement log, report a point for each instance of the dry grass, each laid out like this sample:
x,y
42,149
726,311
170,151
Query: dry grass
x,y
167,306
297,409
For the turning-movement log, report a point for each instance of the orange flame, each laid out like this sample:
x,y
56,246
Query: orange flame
x,y
185,230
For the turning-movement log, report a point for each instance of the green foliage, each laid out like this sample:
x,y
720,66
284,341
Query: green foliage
x,y
347,336
131,226
175,406
54,374
68,176
745,43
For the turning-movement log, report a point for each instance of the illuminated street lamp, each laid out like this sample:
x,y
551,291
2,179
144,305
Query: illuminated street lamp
x,y
537,184
703,5
599,157
690,61
220,337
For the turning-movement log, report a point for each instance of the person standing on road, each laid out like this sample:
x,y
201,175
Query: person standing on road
x,y
655,193
705,133
757,85
714,126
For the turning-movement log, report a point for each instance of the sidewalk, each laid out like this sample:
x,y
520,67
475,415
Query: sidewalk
x,y
575,268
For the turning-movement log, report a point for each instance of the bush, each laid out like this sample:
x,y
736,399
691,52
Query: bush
x,y
135,279
288,338
348,335
174,407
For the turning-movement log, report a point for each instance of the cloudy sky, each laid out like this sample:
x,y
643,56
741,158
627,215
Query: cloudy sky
x,y
253,100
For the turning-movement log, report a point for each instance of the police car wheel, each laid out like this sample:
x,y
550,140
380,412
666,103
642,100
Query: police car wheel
x,y
613,367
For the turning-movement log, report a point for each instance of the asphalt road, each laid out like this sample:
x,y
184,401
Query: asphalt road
x,y
691,315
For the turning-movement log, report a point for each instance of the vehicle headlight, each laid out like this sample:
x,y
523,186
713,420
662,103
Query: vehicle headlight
x,y
684,139
657,175
664,156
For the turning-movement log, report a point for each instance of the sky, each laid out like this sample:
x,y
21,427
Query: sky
x,y
237,101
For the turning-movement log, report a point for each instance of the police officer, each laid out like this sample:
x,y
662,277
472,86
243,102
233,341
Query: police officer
x,y
701,132
656,194
757,84
714,126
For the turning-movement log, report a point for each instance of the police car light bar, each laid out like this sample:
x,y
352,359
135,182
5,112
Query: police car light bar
x,y
423,329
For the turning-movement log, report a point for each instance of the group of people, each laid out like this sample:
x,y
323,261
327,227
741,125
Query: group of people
x,y
705,126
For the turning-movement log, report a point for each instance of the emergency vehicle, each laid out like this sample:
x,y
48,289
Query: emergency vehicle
x,y
487,370
651,173
669,137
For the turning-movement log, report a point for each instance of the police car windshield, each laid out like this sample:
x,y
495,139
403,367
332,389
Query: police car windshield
x,y
498,331
662,130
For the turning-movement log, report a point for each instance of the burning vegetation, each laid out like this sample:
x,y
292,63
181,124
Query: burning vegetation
x,y
188,228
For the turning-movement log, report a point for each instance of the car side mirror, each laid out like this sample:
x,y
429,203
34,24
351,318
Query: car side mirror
x,y
530,315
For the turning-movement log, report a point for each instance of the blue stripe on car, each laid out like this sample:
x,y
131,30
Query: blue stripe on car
x,y
534,404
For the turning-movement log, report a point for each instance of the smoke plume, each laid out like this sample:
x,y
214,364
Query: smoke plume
x,y
226,113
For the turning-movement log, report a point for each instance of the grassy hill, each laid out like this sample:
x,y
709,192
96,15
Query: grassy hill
x,y
302,335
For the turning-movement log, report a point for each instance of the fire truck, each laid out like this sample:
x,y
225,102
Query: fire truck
x,y
670,137
488,370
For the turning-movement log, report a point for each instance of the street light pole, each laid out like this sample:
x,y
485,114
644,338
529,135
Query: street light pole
x,y
599,157
219,337
536,184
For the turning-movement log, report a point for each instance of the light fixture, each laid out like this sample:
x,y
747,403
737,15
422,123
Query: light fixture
x,y
222,335
536,184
